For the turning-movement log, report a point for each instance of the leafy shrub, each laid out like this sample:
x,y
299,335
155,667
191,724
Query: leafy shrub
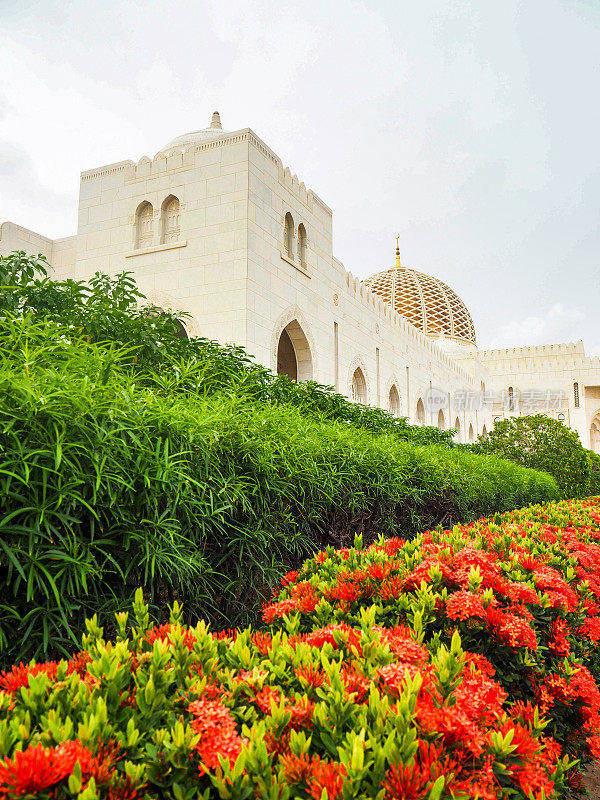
x,y
107,484
521,589
335,713
111,309
542,443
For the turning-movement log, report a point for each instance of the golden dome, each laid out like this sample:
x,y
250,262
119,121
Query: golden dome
x,y
426,302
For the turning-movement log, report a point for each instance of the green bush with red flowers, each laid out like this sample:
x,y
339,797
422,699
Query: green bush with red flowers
x,y
458,665
522,589
338,712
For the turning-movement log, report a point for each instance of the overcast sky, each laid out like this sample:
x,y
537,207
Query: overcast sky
x,y
470,128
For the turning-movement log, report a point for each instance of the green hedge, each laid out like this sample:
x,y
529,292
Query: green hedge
x,y
112,309
107,484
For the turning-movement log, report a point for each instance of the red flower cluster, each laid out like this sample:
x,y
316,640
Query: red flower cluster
x,y
218,733
316,774
38,768
18,677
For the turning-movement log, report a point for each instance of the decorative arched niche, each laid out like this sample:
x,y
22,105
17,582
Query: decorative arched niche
x,y
144,225
595,433
358,381
288,235
420,412
394,401
170,220
358,387
302,244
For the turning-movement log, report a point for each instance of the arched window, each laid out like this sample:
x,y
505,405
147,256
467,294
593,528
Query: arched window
x,y
441,423
394,401
511,399
170,220
294,358
457,429
420,413
484,431
576,394
288,235
561,417
358,390
471,434
302,244
144,226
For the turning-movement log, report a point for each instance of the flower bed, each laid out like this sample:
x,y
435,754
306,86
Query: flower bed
x,y
522,589
407,670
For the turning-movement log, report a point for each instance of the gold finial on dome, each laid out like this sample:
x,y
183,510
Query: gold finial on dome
x,y
216,120
398,253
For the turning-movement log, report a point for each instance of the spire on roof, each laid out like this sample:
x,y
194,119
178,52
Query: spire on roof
x,y
397,252
216,120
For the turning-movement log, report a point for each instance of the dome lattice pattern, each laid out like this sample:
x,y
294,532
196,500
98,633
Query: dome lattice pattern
x,y
426,302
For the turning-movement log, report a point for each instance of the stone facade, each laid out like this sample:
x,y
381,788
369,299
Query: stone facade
x,y
216,226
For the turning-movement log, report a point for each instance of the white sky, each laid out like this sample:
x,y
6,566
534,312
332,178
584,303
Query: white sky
x,y
470,127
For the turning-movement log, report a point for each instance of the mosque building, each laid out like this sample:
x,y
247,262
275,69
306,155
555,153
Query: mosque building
x,y
214,225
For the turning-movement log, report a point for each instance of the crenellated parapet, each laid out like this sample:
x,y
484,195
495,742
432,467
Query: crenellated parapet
x,y
535,351
539,358
185,158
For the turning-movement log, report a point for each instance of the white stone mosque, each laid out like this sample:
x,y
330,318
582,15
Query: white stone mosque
x,y
216,226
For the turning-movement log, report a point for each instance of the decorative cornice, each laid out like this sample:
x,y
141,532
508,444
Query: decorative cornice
x,y
103,172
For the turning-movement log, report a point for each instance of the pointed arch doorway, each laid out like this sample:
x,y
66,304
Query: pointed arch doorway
x,y
294,358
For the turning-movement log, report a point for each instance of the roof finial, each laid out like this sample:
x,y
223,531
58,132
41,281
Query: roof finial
x,y
216,120
397,252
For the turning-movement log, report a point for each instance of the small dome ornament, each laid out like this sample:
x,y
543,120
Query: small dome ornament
x,y
202,136
426,302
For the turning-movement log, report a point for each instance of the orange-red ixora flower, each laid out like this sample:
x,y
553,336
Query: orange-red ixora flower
x,y
18,676
218,734
38,767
